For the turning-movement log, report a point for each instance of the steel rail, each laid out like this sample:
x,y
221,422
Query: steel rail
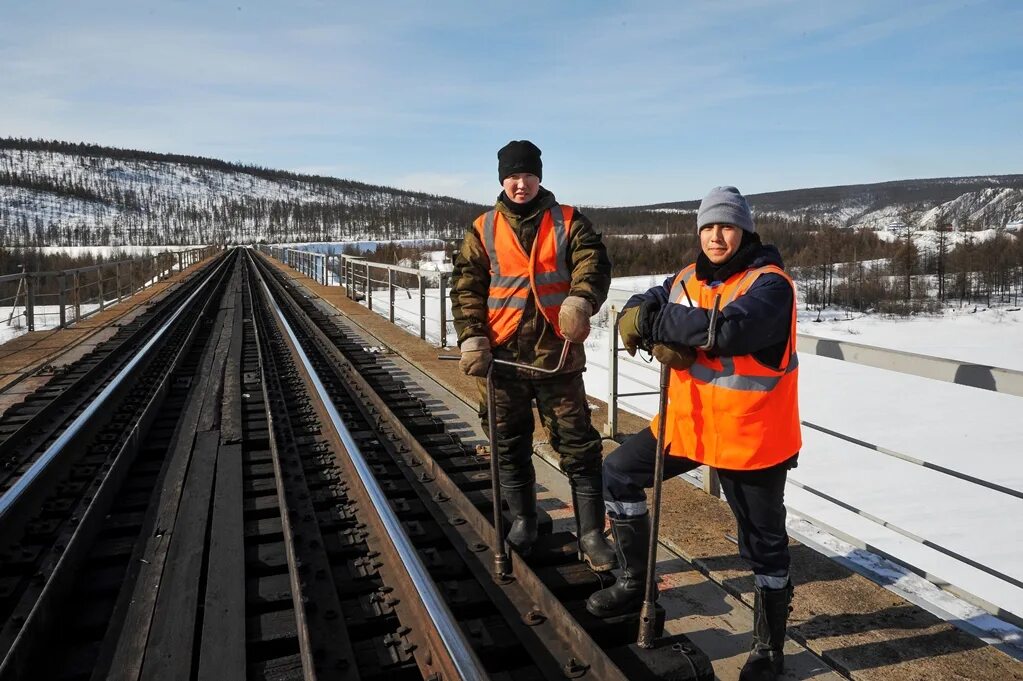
x,y
21,486
463,657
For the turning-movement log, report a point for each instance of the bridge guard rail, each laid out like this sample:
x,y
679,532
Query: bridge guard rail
x,y
79,292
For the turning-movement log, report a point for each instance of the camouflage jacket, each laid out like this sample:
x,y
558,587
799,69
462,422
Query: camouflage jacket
x,y
535,342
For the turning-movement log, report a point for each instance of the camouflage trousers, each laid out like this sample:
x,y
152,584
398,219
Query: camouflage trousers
x,y
564,413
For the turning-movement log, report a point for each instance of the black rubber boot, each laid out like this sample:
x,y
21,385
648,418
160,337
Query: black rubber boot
x,y
770,615
521,502
632,542
594,549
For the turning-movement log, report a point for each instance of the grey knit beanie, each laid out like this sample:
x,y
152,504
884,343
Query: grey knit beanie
x,y
725,206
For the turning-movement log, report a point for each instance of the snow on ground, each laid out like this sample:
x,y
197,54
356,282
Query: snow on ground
x,y
989,336
12,320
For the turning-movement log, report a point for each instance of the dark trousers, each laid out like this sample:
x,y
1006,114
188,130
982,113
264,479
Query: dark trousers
x,y
757,498
564,412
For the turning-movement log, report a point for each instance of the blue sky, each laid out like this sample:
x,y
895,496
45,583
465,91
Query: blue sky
x,y
631,102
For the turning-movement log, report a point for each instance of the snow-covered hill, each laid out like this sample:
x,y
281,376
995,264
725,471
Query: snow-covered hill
x,y
58,193
62,194
964,204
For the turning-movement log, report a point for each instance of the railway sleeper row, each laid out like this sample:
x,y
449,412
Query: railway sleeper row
x,y
442,455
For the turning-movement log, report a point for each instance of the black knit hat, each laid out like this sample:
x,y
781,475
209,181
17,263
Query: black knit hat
x,y
519,156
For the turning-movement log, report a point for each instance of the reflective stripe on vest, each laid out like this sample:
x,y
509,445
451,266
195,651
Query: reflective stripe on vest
x,y
732,412
513,274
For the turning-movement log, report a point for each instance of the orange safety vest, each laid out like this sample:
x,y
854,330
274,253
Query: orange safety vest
x,y
513,274
732,412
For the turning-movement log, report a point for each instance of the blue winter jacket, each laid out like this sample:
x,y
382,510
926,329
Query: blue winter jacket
x,y
757,323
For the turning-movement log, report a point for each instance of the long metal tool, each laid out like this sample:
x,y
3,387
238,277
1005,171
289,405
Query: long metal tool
x,y
648,613
502,566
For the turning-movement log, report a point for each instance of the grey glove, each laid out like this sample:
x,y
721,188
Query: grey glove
x,y
574,318
476,356
679,357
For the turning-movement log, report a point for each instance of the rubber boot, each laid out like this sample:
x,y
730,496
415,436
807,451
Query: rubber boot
x,y
632,542
770,615
594,549
521,502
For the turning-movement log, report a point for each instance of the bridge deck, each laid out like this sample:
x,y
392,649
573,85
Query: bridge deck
x,y
856,626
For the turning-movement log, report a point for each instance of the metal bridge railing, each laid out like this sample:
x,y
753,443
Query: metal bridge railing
x,y
996,379
35,298
362,279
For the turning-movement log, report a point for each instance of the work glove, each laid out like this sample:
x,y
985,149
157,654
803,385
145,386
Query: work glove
x,y
679,357
476,356
574,318
628,329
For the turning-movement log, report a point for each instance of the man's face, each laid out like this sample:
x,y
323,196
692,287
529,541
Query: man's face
x,y
521,187
720,242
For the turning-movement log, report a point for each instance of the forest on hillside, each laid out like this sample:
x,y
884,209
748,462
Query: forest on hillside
x,y
855,270
66,194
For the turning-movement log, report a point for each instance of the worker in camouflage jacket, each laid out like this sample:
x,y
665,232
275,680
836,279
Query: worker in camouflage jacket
x,y
530,274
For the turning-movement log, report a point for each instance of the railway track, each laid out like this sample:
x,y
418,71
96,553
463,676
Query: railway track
x,y
269,502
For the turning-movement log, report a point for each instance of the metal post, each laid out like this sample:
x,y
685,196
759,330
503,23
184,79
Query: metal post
x,y
369,289
181,262
443,311
77,296
62,298
390,294
611,427
117,281
99,283
422,307
30,301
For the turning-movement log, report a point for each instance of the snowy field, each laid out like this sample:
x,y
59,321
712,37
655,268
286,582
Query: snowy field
x,y
967,430
12,320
